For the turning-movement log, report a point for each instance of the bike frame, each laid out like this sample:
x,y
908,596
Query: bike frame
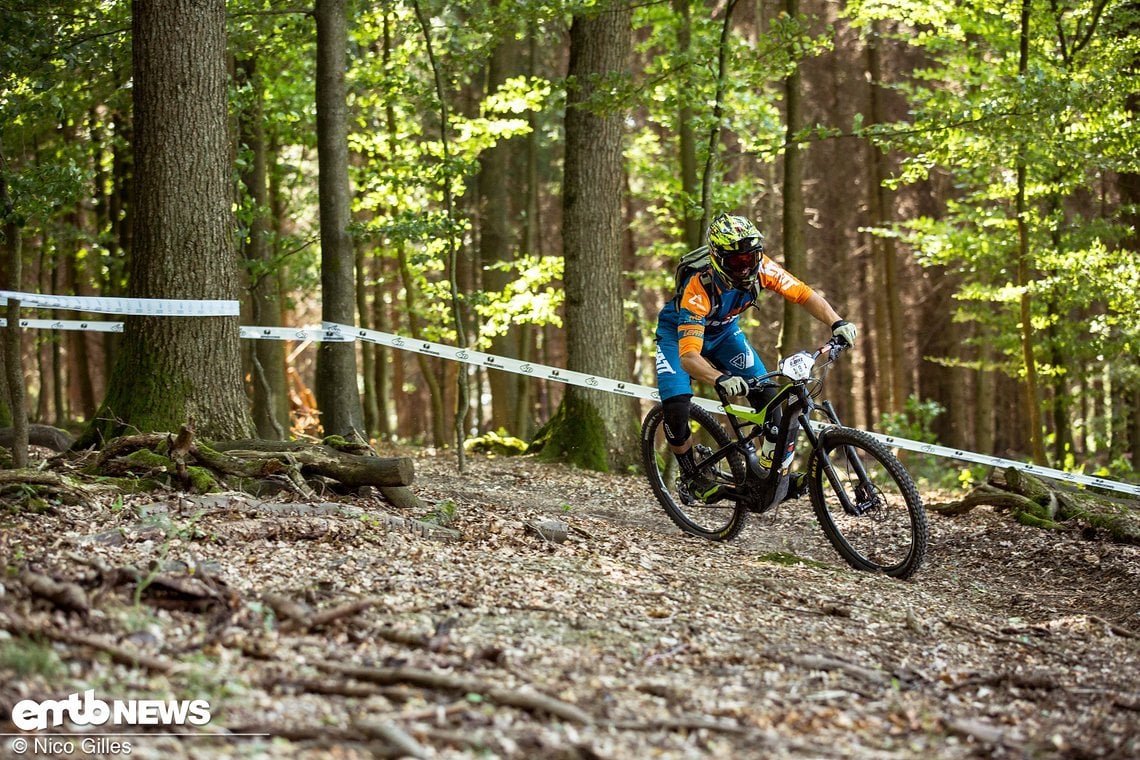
x,y
766,487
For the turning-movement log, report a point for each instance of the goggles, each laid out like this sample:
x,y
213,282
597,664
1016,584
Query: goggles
x,y
744,259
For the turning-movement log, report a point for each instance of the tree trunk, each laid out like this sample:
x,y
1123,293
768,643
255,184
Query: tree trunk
x,y
80,370
794,333
600,46
336,383
889,294
1024,276
1128,184
690,212
171,369
15,400
497,245
267,357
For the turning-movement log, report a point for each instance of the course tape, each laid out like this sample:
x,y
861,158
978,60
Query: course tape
x,y
251,332
545,372
334,332
145,307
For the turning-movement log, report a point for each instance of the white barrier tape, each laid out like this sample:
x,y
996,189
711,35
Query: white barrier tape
x,y
334,332
1033,469
252,332
145,307
546,372
480,359
68,324
320,334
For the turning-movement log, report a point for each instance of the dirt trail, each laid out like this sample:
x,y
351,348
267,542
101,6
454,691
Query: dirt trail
x,y
628,640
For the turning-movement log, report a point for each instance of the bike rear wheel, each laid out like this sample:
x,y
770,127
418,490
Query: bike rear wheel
x,y
886,531
719,521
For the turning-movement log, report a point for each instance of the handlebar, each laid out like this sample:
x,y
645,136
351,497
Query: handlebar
x,y
833,348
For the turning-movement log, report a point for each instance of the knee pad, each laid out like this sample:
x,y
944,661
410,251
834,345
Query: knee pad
x,y
676,419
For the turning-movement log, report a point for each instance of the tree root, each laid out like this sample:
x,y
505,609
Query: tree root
x,y
155,461
532,701
1034,502
16,624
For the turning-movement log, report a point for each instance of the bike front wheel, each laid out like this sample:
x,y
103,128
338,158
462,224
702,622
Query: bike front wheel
x,y
867,503
719,521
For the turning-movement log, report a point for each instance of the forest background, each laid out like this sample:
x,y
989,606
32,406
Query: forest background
x,y
959,179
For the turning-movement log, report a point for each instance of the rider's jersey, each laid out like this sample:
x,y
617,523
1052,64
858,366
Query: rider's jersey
x,y
699,315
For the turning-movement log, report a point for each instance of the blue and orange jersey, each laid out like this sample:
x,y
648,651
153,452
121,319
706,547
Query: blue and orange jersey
x,y
700,315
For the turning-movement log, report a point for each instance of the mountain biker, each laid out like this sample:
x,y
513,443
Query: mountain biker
x,y
698,335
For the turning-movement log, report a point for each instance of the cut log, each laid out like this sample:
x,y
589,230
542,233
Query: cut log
x,y
352,470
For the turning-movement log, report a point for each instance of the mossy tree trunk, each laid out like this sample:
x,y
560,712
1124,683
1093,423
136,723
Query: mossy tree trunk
x,y
172,369
600,46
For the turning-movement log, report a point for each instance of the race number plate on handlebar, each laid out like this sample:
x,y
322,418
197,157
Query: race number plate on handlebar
x,y
797,367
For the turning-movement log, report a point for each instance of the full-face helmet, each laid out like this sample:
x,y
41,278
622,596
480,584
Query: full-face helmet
x,y
735,248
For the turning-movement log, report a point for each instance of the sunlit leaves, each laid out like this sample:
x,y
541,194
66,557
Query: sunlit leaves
x,y
974,116
534,296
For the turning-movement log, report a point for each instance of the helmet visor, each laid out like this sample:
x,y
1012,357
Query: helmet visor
x,y
741,263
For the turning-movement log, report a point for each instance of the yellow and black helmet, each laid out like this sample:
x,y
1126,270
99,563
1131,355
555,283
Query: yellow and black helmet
x,y
735,248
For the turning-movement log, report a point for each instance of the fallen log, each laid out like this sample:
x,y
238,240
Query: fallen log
x,y
330,461
40,435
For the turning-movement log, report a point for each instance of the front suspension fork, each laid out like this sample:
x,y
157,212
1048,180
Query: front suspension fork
x,y
865,490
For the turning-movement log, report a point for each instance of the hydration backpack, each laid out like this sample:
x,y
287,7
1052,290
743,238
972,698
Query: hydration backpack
x,y
695,261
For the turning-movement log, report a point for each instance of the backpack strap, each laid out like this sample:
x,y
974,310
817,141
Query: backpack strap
x,y
707,283
710,288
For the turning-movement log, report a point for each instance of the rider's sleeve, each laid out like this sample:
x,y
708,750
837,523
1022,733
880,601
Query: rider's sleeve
x,y
693,309
777,279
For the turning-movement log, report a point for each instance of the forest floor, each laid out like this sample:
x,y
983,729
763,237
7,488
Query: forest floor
x,y
628,640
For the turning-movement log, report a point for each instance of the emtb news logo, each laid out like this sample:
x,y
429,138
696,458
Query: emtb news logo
x,y
87,710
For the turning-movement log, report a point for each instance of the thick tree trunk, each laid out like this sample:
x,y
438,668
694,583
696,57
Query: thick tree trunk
x,y
497,246
172,369
889,293
600,46
336,383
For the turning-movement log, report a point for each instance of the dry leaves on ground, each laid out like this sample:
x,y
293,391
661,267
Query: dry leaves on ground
x,y
337,629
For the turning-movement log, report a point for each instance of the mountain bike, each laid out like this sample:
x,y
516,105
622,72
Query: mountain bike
x,y
863,497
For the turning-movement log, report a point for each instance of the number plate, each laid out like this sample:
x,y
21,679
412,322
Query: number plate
x,y
797,366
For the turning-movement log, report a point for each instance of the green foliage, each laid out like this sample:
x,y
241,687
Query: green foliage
x,y
914,422
533,297
496,442
1067,120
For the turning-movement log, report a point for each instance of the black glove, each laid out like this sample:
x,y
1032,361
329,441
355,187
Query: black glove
x,y
732,385
845,331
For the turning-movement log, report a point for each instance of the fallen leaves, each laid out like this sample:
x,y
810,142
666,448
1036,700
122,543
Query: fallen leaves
x,y
558,613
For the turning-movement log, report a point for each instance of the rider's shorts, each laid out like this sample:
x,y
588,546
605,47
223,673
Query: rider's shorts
x,y
729,351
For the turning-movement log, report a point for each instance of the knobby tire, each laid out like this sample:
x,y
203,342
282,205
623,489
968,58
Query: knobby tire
x,y
891,536
721,521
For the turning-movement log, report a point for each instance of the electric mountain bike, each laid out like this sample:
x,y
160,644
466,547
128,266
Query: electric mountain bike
x,y
865,500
